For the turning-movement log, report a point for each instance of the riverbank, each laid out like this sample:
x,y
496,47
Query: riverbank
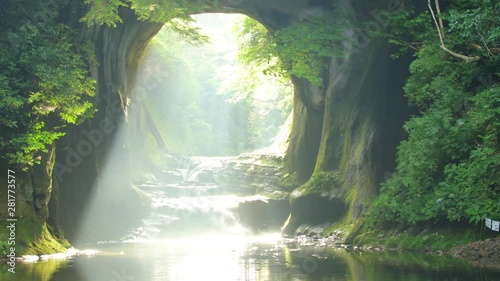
x,y
484,253
465,245
31,239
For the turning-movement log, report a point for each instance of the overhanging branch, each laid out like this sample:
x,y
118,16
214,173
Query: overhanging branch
x,y
441,36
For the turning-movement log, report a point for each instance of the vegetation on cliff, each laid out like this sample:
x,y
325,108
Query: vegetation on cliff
x,y
206,102
45,83
449,167
107,11
283,54
44,80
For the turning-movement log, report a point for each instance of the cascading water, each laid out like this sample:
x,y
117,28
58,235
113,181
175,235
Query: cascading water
x,y
205,196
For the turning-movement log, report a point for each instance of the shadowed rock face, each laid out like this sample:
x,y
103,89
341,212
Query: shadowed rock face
x,y
355,129
351,124
313,210
260,216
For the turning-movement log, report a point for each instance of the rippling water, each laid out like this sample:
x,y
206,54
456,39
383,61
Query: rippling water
x,y
192,210
232,258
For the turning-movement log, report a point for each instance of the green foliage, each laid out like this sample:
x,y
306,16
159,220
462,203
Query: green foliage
x,y
61,74
471,28
300,49
449,167
305,46
27,143
44,77
186,31
165,10
103,12
257,46
175,13
182,114
32,239
107,11
476,21
227,108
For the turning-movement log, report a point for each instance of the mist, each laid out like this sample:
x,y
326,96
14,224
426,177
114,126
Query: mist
x,y
204,101
190,99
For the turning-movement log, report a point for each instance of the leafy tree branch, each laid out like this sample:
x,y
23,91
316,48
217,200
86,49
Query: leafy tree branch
x,y
439,27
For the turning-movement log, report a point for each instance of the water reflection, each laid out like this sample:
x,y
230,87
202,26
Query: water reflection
x,y
37,271
233,258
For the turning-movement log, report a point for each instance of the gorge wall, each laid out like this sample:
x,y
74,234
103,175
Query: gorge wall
x,y
348,127
353,131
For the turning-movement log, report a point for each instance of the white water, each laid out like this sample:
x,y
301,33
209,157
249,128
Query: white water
x,y
203,200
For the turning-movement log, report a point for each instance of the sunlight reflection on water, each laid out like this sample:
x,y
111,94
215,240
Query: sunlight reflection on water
x,y
196,258
246,258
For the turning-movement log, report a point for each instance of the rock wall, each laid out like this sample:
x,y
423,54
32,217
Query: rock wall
x,y
32,192
364,109
308,115
94,191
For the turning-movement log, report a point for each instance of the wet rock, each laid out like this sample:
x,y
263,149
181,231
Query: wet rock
x,y
480,253
259,215
313,209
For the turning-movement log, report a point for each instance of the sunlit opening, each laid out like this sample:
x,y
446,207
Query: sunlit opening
x,y
201,99
206,133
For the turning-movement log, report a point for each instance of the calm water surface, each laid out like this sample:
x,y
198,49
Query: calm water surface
x,y
232,258
191,206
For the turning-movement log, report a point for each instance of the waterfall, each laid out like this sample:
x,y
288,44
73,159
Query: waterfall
x,y
208,195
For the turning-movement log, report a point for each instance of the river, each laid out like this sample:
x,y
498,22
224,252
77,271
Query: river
x,y
195,233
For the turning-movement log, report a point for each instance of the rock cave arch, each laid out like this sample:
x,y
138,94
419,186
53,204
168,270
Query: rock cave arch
x,y
350,125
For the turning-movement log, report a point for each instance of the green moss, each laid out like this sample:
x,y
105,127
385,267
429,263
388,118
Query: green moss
x,y
352,194
360,146
44,243
349,177
346,227
289,181
321,182
3,247
32,239
344,150
432,240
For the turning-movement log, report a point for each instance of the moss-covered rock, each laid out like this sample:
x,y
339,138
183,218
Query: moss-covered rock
x,y
363,109
43,242
305,137
33,191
